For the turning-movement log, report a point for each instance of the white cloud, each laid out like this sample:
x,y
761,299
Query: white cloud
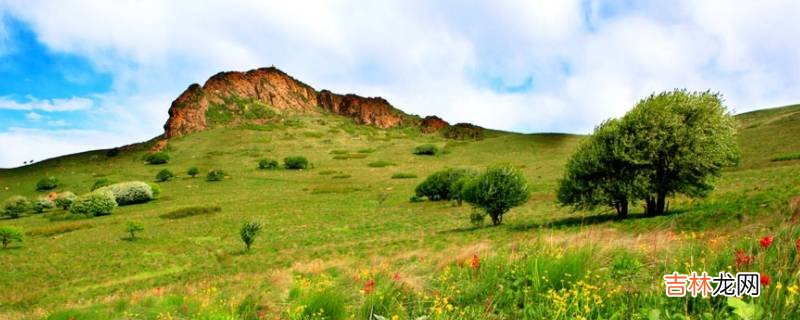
x,y
38,145
33,116
432,57
53,105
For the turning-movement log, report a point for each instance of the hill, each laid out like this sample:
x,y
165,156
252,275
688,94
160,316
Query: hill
x,y
332,229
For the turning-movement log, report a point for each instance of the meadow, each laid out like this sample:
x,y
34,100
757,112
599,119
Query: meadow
x,y
342,240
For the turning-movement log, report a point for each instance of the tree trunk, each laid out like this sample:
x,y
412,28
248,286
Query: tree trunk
x,y
622,208
650,207
496,218
661,202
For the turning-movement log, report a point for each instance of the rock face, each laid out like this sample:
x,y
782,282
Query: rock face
x,y
257,95
431,124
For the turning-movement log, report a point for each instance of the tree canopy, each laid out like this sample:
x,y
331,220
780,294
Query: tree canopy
x,y
670,143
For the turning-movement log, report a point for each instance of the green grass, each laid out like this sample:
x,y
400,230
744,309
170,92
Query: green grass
x,y
787,157
381,164
334,234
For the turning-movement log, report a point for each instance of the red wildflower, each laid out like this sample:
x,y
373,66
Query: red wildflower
x,y
797,244
396,276
743,259
369,286
766,242
764,280
475,262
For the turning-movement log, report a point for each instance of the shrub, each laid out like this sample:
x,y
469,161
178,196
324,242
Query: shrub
x,y
439,185
42,204
96,203
476,218
190,211
193,172
130,192
295,163
249,232
47,183
381,164
164,175
9,234
268,164
156,189
65,199
15,206
215,175
426,149
403,175
133,227
100,183
497,190
158,158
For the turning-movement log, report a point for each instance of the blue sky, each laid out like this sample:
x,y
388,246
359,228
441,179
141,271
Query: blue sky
x,y
78,75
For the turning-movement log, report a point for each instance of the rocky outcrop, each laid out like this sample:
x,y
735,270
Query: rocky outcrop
x,y
431,124
232,97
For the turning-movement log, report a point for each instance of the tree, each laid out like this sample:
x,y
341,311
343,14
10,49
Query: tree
x,y
443,185
193,172
133,227
595,175
249,232
497,190
164,175
677,141
10,234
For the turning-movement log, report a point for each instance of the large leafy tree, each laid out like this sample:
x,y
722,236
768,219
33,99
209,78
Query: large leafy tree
x,y
671,143
677,141
596,176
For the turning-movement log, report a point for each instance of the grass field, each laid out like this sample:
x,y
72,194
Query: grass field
x,y
343,236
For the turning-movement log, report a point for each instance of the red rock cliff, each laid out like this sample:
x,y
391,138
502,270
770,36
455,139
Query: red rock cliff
x,y
276,89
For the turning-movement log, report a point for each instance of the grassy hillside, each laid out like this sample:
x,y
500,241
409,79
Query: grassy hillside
x,y
332,229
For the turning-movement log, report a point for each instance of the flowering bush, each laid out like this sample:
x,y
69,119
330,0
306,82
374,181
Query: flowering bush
x,y
129,192
15,206
97,203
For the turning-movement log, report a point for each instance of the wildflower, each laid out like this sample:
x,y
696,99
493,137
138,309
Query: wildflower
x,y
797,244
369,286
764,280
396,276
475,262
743,259
766,242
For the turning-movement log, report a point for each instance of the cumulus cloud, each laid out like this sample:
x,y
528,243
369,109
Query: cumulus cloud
x,y
586,60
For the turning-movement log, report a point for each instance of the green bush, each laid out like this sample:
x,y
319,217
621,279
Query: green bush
x,y
158,158
47,183
65,199
381,164
41,204
787,157
156,189
130,192
193,172
249,232
426,150
295,163
497,190
268,164
462,131
96,203
15,206
215,175
100,183
132,227
189,212
164,175
9,234
439,185
403,175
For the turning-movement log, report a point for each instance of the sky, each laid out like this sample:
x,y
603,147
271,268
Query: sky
x,y
81,75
